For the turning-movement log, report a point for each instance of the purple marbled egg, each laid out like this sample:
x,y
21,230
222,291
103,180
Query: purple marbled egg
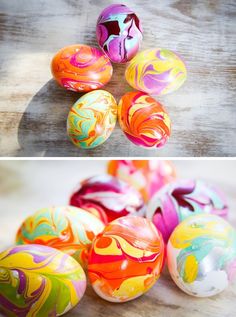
x,y
119,33
178,200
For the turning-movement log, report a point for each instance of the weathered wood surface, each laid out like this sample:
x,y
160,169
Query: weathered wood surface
x,y
26,186
33,109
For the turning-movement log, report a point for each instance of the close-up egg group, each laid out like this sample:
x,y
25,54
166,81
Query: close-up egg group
x,y
121,236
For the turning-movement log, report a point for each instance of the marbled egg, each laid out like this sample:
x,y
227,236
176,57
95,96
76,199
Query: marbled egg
x,y
119,33
92,119
68,229
183,198
156,71
108,198
81,68
143,120
201,255
126,259
147,176
40,281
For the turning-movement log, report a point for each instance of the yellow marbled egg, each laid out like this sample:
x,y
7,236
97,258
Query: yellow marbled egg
x,y
40,281
156,71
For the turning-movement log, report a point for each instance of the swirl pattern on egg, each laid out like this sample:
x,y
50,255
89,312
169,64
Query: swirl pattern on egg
x,y
143,120
68,229
92,119
119,33
183,198
156,71
126,259
108,197
201,255
81,68
147,176
39,281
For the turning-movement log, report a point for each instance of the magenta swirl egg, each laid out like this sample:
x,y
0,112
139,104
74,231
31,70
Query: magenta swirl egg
x,y
108,198
119,33
183,198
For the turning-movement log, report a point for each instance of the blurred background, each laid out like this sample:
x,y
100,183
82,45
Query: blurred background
x,y
26,186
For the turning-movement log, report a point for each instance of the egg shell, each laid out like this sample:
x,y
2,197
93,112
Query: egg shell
x,y
143,120
119,33
147,176
201,255
81,68
92,119
68,229
36,280
183,198
126,259
156,71
108,197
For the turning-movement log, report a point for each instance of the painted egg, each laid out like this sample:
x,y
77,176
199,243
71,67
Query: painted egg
x,y
36,280
68,229
181,199
143,120
108,197
126,259
92,119
119,33
156,71
202,255
147,176
81,68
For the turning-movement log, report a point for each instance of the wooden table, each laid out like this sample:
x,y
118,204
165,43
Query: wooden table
x,y
33,109
31,185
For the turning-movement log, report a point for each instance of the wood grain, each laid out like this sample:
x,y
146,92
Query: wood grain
x,y
31,185
33,109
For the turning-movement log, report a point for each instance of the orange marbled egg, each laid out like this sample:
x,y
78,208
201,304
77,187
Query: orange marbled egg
x,y
81,68
143,120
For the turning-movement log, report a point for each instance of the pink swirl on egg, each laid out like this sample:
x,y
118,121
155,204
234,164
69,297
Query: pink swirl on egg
x,y
108,195
178,200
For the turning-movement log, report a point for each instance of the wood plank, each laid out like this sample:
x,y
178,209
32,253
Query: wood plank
x,y
33,109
